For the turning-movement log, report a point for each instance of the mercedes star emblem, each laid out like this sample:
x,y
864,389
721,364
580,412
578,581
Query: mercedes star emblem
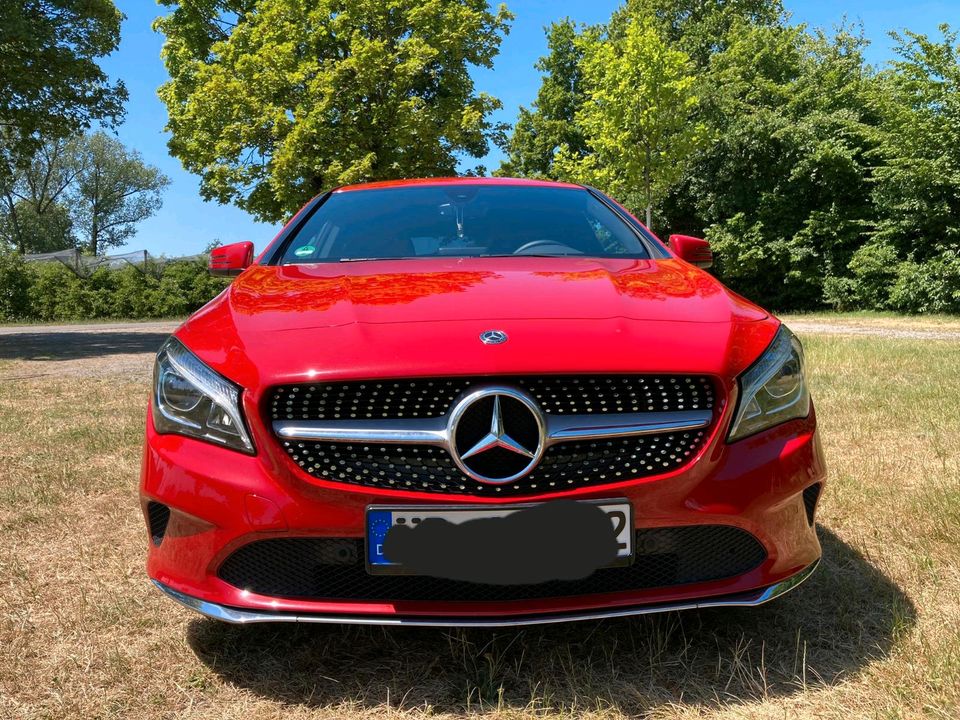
x,y
493,337
497,434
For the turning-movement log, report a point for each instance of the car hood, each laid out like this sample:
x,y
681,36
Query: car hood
x,y
419,317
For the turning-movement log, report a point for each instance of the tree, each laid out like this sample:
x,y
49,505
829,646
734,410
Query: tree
x,y
272,101
918,98
113,191
551,123
50,84
33,217
784,192
701,28
636,118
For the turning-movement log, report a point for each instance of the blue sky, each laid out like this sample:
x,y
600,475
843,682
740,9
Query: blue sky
x,y
186,223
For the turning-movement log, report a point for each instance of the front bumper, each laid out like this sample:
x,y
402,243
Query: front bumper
x,y
221,500
239,616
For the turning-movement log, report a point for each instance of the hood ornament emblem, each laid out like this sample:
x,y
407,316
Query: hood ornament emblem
x,y
493,337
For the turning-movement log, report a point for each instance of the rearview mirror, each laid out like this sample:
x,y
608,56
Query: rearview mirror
x,y
695,251
231,260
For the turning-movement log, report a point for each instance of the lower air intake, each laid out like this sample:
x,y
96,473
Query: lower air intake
x,y
810,497
333,569
158,515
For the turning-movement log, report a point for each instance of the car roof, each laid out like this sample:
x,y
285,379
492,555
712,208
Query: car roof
x,y
519,182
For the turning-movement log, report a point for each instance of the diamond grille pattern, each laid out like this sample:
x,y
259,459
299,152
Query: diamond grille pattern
x,y
333,569
430,469
432,397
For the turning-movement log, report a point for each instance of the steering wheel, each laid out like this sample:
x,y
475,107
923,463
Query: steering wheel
x,y
546,247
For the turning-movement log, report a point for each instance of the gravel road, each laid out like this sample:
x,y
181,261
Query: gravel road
x,y
124,349
898,333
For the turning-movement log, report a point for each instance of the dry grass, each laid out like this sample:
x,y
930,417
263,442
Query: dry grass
x,y
875,633
871,319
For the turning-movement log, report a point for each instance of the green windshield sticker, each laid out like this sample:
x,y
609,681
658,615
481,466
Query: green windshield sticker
x,y
304,251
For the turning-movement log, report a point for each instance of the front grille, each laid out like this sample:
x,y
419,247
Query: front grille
x,y
333,569
430,469
433,397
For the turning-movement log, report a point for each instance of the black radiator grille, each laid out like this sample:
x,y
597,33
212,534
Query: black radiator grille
x,y
431,469
433,397
333,569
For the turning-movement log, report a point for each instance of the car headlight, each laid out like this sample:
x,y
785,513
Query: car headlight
x,y
191,399
773,390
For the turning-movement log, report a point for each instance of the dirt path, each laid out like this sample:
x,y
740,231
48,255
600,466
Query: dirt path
x,y
124,349
898,333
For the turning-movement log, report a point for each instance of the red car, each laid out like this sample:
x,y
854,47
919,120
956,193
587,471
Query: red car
x,y
477,402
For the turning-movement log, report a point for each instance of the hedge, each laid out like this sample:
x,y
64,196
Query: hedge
x,y
38,292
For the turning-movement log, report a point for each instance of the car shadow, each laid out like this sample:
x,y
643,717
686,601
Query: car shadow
x,y
58,345
847,616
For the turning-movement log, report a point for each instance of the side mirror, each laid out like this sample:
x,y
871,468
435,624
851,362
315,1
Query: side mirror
x,y
231,260
694,250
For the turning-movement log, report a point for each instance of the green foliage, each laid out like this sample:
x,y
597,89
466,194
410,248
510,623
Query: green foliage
x,y
50,83
272,101
637,118
789,168
540,132
29,230
823,181
51,291
14,287
112,191
700,28
918,178
86,191
929,287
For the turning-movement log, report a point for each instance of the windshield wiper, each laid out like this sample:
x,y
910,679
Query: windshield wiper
x,y
365,259
533,255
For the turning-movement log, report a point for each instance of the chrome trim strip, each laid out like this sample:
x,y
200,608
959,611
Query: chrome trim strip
x,y
243,617
438,431
568,428
401,431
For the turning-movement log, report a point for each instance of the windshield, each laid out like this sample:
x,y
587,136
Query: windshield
x,y
461,221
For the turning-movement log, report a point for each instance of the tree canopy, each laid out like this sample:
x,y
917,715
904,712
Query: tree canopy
x,y
50,84
272,101
87,191
822,180
637,116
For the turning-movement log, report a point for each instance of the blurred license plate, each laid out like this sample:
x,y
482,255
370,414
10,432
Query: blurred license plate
x,y
381,518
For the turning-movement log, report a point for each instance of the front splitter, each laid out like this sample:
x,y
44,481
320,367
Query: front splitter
x,y
240,616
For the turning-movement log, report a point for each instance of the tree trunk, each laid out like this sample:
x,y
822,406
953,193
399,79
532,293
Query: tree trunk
x,y
15,222
648,187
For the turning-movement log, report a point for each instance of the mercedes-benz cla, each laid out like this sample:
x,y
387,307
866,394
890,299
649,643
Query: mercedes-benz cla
x,y
476,402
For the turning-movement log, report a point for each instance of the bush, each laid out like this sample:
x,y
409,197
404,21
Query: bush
x,y
14,288
930,287
51,291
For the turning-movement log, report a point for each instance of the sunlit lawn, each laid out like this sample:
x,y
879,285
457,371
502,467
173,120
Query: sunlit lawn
x,y
875,633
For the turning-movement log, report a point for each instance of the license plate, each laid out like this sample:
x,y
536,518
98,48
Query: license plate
x,y
381,518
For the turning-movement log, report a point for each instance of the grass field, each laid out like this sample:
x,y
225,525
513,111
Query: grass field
x,y
874,634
